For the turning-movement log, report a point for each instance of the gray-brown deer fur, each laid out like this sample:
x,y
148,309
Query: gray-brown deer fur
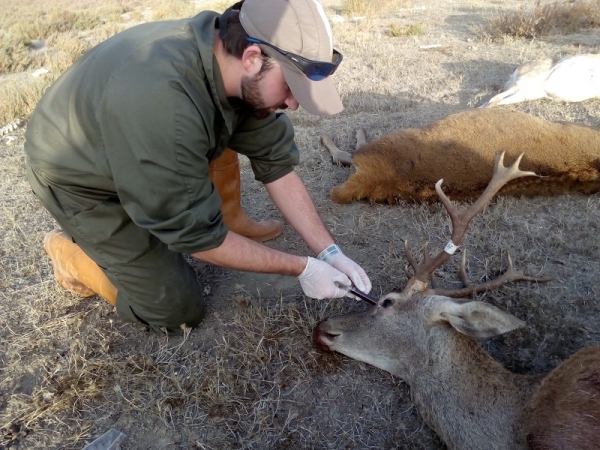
x,y
428,339
461,147
461,392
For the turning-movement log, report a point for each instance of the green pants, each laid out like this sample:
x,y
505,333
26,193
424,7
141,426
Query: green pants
x,y
156,286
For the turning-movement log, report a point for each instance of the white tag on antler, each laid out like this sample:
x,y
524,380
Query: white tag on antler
x,y
450,248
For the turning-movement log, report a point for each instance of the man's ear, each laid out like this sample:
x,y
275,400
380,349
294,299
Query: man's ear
x,y
252,60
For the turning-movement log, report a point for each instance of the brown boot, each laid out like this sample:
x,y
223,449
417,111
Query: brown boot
x,y
75,271
225,175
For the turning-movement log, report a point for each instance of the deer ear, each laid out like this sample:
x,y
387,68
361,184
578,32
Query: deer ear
x,y
476,319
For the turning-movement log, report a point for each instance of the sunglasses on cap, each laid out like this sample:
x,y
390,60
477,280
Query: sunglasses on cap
x,y
314,70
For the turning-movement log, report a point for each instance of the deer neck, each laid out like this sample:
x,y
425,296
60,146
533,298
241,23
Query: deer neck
x,y
468,398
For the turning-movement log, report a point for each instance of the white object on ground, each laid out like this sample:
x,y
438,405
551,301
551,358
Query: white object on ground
x,y
111,440
571,79
40,71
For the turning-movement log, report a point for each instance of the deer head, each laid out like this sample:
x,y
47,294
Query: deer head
x,y
398,336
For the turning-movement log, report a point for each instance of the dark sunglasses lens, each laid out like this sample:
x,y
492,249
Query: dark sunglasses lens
x,y
319,71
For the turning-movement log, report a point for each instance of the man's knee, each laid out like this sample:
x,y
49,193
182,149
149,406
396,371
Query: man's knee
x,y
172,320
156,286
159,290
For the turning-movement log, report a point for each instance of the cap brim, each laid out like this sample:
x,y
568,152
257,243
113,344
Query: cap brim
x,y
316,97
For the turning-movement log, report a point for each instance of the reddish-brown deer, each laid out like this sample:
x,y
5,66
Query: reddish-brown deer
x,y
461,149
426,336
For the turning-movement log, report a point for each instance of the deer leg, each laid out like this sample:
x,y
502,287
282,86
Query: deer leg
x,y
339,157
511,95
361,138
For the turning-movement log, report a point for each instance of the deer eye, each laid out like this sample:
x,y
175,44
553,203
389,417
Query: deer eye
x,y
387,302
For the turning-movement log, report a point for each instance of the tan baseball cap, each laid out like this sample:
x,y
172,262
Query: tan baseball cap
x,y
299,27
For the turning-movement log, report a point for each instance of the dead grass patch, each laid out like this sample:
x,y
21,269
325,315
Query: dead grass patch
x,y
410,30
173,9
21,37
543,20
41,25
244,376
20,94
369,8
55,35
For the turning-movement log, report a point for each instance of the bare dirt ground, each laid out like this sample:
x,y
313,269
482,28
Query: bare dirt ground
x,y
248,377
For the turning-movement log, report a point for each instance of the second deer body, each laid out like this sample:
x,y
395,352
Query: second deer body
x,y
571,79
461,147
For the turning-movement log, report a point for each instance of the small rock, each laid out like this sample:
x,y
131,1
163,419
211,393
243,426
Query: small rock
x,y
37,44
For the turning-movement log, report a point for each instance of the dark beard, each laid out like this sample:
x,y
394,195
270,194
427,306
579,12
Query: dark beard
x,y
251,96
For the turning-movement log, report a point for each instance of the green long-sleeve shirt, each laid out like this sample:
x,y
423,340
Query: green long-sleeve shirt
x,y
140,117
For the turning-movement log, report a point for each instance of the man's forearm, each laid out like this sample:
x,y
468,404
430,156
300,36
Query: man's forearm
x,y
291,197
240,253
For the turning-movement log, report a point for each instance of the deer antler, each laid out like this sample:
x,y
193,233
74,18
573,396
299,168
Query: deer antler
x,y
460,222
509,276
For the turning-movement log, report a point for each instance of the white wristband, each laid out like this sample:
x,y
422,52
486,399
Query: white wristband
x,y
450,248
328,252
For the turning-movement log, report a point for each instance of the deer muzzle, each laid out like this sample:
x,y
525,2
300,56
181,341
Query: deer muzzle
x,y
322,337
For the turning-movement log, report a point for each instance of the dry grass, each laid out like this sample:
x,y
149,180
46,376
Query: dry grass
x,y
249,377
25,30
369,8
411,30
242,376
543,20
53,35
173,9
19,95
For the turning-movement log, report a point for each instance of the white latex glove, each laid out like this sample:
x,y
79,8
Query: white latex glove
x,y
320,280
333,256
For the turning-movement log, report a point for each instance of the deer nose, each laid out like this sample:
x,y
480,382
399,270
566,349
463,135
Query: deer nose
x,y
321,335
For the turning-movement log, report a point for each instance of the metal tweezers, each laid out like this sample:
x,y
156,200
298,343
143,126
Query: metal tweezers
x,y
363,296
